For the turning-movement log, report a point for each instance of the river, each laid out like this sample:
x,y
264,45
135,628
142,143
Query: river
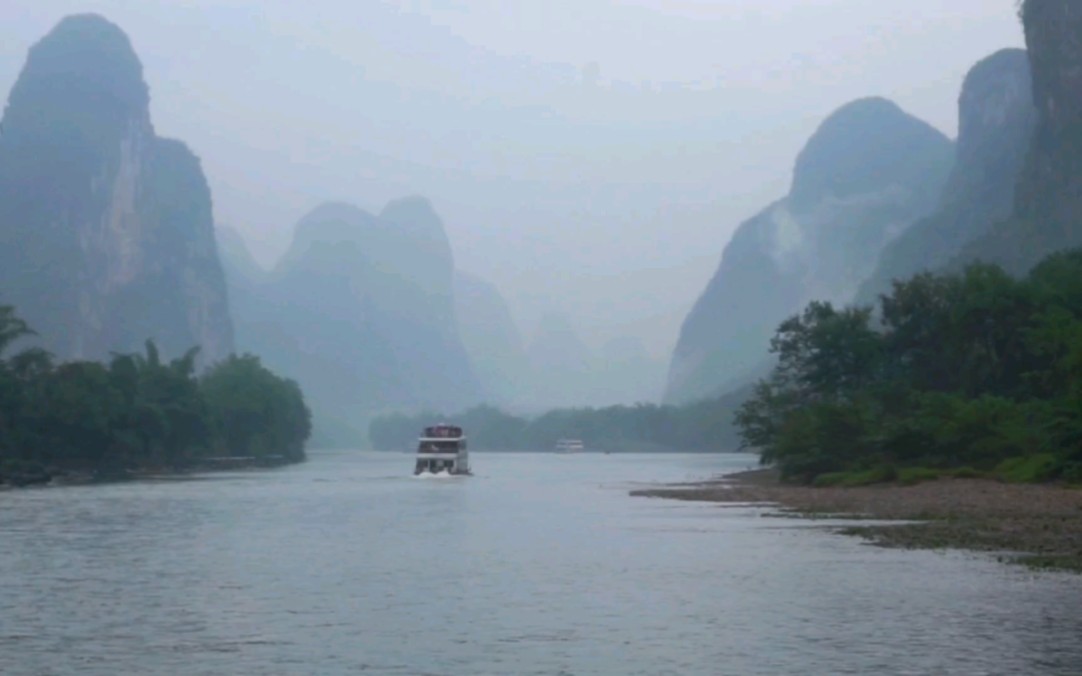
x,y
539,564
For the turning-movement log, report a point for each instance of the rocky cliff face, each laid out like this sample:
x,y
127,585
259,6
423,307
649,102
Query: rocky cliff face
x,y
361,312
1048,200
1051,187
106,233
867,174
996,122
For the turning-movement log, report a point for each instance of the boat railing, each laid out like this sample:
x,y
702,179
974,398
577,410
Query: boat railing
x,y
442,432
434,446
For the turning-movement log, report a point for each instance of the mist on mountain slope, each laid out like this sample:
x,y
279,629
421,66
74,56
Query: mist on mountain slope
x,y
589,160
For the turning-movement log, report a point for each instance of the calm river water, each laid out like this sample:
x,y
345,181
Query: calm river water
x,y
540,564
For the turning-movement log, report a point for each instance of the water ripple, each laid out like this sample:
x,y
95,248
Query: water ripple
x,y
539,565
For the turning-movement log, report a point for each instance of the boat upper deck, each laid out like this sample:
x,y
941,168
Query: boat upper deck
x,y
441,433
442,439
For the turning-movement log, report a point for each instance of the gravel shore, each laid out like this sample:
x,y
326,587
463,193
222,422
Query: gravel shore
x,y
1040,525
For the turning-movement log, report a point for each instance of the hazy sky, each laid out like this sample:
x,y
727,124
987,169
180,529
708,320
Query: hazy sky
x,y
590,157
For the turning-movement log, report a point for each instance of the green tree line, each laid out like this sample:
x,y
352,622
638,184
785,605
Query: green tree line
x,y
138,411
974,372
703,426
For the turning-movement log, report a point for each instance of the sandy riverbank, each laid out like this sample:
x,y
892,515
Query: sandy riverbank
x,y
1041,523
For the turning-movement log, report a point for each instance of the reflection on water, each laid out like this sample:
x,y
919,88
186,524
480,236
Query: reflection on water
x,y
540,564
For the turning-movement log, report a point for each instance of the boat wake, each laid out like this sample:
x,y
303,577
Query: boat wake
x,y
443,474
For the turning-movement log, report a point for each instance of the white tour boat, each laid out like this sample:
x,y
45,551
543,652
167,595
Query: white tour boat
x,y
570,446
442,450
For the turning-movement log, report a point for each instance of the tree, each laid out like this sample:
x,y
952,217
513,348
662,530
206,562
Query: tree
x,y
254,412
79,414
139,411
971,369
826,353
11,328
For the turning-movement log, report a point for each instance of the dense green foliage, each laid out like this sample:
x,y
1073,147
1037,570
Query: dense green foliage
x,y
703,426
977,370
255,412
138,411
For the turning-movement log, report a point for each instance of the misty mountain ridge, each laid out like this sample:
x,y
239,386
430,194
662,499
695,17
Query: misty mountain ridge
x,y
1013,193
106,229
566,372
864,177
997,119
109,242
1014,197
492,339
361,312
557,369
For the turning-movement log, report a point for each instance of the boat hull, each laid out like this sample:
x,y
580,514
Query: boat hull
x,y
451,466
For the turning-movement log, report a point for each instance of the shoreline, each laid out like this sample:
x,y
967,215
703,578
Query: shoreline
x,y
1039,525
70,478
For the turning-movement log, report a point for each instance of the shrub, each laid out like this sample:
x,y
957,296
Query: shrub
x,y
1072,473
876,475
910,476
964,473
1027,469
830,479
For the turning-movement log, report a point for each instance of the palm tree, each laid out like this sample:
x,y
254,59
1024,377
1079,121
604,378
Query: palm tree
x,y
12,328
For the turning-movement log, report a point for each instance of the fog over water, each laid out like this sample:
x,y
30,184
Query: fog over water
x,y
589,158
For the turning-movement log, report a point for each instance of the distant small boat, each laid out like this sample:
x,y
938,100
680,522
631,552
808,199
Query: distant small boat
x,y
570,446
441,449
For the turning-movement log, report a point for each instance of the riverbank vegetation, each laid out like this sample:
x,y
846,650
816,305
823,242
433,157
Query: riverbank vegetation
x,y
138,412
703,426
966,374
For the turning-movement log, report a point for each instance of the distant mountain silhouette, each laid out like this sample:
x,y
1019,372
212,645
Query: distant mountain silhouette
x,y
361,311
491,339
866,175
